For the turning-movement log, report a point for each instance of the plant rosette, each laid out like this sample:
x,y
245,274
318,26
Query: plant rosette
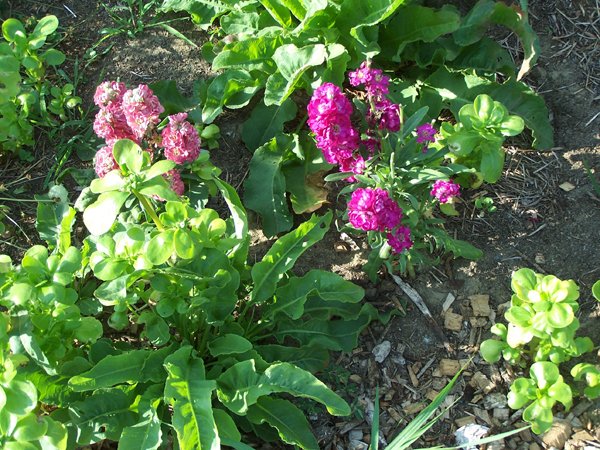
x,y
540,392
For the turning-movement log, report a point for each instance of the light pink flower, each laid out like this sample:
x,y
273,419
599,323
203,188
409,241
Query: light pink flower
x,y
399,239
109,93
142,109
104,161
180,140
445,190
111,125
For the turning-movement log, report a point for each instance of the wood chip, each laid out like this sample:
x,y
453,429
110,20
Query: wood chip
x,y
478,322
566,186
448,302
413,377
464,421
481,382
414,408
480,304
501,414
483,415
453,321
449,367
431,394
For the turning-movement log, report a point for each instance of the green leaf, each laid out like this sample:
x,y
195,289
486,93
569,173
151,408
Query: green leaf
x,y
229,344
55,437
239,252
144,435
53,57
290,298
491,350
156,329
189,393
416,23
241,386
292,62
128,153
357,14
46,26
100,215
264,189
233,88
561,315
161,247
266,122
21,397
253,53
313,359
131,367
11,27
282,256
492,162
102,416
596,290
561,392
54,223
539,416
278,11
523,281
89,330
170,97
286,418
29,428
544,373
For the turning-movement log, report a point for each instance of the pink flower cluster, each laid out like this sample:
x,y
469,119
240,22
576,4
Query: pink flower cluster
x,y
373,210
445,190
329,114
134,114
386,115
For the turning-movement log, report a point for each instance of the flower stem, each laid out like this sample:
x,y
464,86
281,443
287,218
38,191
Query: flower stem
x,y
149,210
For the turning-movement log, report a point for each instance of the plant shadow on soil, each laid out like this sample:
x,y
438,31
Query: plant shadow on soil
x,y
541,222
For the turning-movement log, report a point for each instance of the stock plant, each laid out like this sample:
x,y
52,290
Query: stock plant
x,y
157,328
29,97
540,336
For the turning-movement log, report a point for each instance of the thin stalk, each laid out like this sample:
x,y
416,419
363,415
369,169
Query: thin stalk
x,y
149,210
301,124
25,200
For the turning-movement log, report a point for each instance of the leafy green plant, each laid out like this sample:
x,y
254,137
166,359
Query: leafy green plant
x,y
541,335
213,341
28,96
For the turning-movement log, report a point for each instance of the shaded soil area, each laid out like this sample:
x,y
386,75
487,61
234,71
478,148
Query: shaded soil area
x,y
547,219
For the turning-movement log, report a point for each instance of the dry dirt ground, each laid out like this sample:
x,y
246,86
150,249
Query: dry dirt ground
x,y
547,218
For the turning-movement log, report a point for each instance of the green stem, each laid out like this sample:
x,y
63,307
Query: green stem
x,y
301,124
25,200
204,339
149,210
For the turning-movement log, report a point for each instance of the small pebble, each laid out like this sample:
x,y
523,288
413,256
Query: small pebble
x,y
381,351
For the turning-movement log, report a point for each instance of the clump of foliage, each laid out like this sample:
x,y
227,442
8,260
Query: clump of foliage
x,y
157,328
28,96
541,335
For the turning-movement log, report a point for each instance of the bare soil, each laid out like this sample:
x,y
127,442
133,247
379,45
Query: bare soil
x,y
547,218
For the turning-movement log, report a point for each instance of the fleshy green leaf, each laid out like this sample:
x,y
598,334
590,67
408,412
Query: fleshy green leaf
x,y
282,256
266,122
229,344
100,215
491,350
144,435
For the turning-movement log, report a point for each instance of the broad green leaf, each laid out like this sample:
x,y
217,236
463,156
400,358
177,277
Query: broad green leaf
x,y
264,189
233,88
241,386
29,429
278,11
226,425
290,298
11,27
203,12
544,373
112,181
144,435
357,14
128,153
189,393
156,329
282,256
21,397
337,335
519,316
560,315
53,57
55,437
54,223
253,53
46,26
292,62
487,13
229,344
286,418
103,415
313,359
539,416
161,247
596,290
239,252
135,366
100,215
416,23
523,281
159,168
89,330
266,122
561,392
170,97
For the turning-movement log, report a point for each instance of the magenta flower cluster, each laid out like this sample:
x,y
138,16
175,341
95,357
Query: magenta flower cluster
x,y
426,135
445,190
373,210
135,114
329,113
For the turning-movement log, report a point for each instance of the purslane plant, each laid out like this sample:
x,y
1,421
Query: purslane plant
x,y
540,336
28,97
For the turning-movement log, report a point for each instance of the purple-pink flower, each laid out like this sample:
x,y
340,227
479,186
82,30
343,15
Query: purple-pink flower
x,y
400,239
111,125
180,140
375,82
426,134
104,161
373,209
445,190
388,114
142,109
